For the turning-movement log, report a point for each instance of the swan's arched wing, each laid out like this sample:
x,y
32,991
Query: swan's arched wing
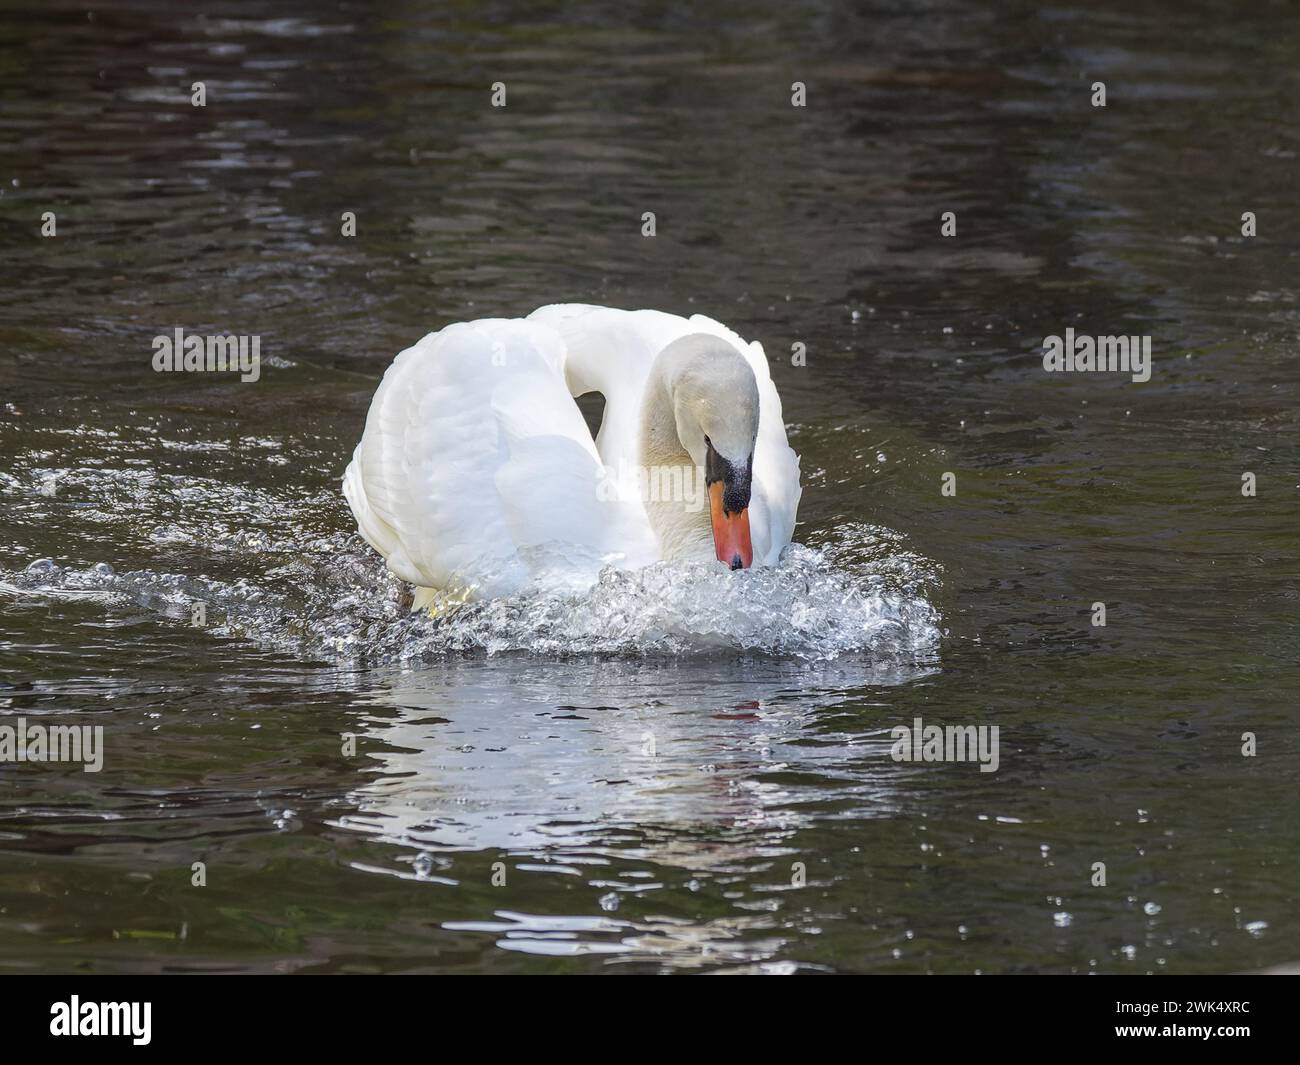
x,y
477,471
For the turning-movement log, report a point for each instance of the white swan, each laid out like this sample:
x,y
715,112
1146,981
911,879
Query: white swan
x,y
476,475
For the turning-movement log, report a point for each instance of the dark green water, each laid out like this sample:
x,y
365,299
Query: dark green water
x,y
646,809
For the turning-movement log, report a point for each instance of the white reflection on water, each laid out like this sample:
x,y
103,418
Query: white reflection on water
x,y
627,777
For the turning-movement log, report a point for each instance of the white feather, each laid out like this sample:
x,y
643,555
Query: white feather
x,y
476,472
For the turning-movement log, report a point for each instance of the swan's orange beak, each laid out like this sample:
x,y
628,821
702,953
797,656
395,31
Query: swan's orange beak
x,y
730,530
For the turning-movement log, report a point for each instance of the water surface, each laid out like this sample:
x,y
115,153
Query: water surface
x,y
588,785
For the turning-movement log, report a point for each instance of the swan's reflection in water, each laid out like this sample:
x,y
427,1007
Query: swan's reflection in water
x,y
679,785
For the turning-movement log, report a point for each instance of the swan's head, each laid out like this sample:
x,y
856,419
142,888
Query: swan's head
x,y
715,405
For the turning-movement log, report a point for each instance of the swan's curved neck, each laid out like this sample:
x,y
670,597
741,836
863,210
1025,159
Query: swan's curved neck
x,y
673,485
659,440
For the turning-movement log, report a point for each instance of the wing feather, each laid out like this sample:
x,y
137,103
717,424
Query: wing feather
x,y
476,470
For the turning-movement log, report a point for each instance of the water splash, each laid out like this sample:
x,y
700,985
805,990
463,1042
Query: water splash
x,y
284,575
333,598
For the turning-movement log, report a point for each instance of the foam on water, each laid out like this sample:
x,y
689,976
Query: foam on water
x,y
332,597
